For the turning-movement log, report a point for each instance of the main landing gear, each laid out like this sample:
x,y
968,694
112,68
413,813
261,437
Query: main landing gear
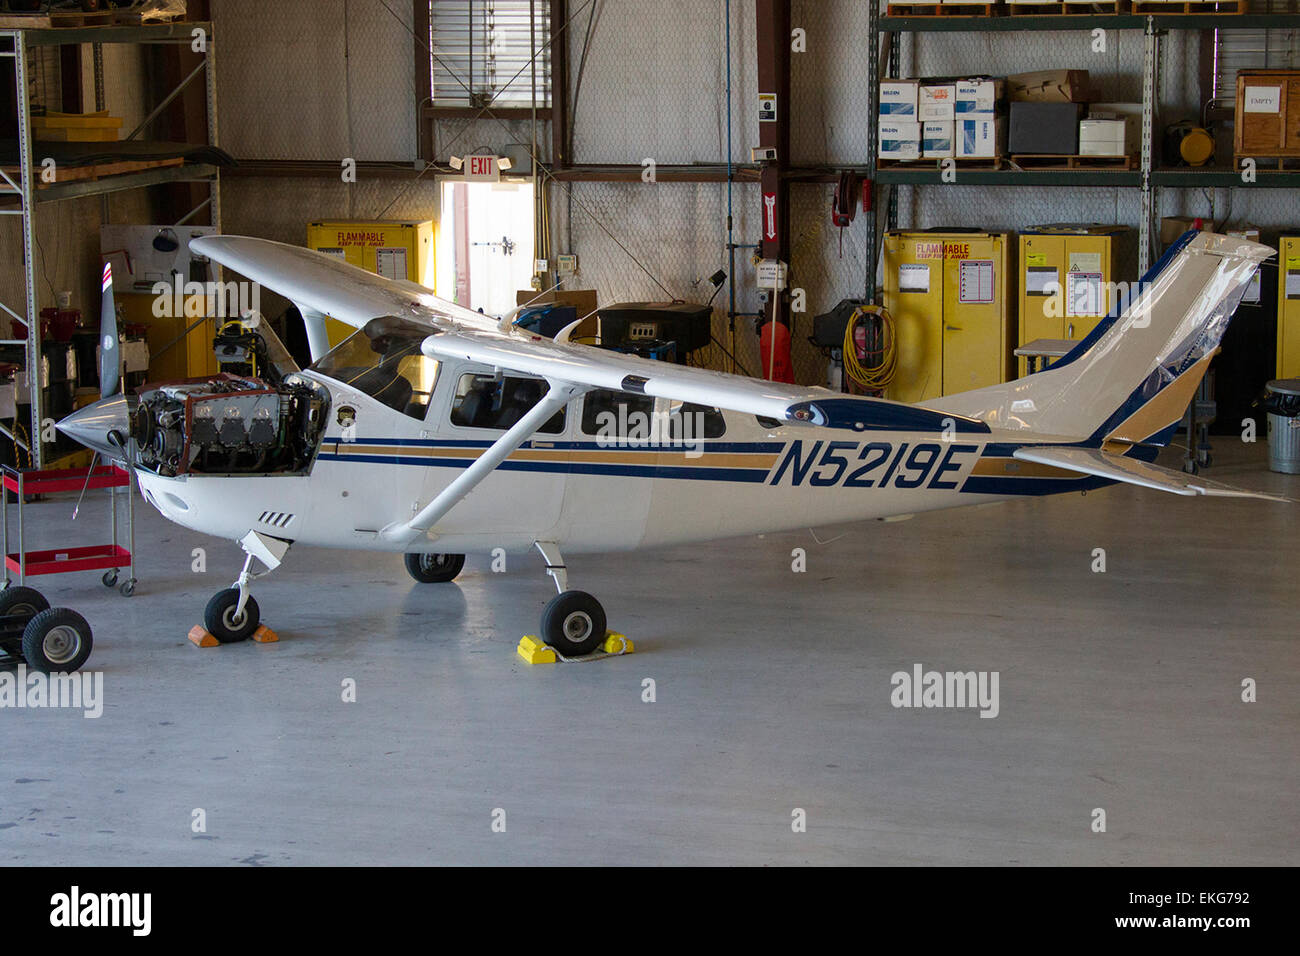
x,y
573,622
232,615
434,568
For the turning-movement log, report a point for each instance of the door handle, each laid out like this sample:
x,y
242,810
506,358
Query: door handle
x,y
1069,331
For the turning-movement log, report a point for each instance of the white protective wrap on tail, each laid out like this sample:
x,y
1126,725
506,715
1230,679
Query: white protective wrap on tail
x,y
1173,325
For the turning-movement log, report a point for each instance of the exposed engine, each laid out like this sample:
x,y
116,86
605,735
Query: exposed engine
x,y
229,425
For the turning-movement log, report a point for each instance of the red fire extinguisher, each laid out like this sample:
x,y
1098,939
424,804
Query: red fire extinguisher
x,y
774,347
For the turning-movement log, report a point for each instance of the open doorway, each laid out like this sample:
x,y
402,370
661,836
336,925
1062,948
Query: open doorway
x,y
485,244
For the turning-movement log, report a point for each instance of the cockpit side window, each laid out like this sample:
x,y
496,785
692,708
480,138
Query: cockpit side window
x,y
485,401
384,361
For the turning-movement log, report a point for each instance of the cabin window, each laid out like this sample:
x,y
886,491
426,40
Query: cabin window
x,y
484,401
384,361
692,421
610,413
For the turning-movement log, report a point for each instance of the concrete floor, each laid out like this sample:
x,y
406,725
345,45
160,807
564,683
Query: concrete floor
x,y
1118,690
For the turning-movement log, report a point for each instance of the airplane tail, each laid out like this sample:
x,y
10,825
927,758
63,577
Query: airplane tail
x,y
1130,381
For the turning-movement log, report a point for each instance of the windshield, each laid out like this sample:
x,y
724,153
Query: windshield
x,y
384,360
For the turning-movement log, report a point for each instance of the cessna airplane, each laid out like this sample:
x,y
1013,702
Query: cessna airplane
x,y
436,431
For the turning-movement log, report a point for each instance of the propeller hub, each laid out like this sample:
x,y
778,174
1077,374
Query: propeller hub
x,y
96,426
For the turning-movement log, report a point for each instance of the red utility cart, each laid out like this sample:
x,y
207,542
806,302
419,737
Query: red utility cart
x,y
85,558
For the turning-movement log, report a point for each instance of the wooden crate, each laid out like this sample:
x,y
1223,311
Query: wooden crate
x,y
1171,7
1069,8
944,9
1262,130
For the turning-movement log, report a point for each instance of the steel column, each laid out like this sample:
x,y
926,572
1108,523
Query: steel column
x,y
773,22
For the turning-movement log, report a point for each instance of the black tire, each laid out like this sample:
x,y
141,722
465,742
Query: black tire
x,y
57,640
22,600
434,568
109,578
573,623
218,617
127,588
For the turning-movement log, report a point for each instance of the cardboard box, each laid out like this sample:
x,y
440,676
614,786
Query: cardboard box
x,y
981,137
1108,137
1049,86
977,97
936,139
1171,227
899,139
936,102
1044,128
898,98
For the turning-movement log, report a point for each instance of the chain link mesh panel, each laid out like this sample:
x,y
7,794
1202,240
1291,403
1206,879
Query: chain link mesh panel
x,y
829,83
290,74
652,82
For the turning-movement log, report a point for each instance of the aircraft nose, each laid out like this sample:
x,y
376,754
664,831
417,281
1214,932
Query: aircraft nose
x,y
90,425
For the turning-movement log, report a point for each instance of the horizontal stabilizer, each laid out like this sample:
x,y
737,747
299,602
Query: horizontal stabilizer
x,y
1103,464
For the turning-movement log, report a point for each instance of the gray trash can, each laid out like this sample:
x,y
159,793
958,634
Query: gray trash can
x,y
1282,399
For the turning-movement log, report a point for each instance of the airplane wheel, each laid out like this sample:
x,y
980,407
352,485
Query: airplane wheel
x,y
22,600
220,620
57,640
573,623
434,568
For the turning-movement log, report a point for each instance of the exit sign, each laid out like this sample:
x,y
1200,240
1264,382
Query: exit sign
x,y
482,169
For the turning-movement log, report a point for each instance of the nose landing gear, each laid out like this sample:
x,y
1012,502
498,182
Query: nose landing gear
x,y
232,615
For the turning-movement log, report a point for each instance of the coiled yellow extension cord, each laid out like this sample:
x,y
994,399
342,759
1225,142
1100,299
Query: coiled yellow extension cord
x,y
876,377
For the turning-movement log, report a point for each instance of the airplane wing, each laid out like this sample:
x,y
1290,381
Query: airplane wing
x,y
600,368
1103,464
321,285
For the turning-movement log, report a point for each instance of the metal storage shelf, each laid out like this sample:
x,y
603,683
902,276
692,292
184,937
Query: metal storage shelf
x,y
22,196
1146,178
191,173
1196,177
180,31
1013,177
1089,21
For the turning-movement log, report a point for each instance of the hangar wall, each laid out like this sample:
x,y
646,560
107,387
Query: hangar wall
x,y
293,86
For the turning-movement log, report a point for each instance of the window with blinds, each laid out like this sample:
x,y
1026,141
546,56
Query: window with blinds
x,y
481,52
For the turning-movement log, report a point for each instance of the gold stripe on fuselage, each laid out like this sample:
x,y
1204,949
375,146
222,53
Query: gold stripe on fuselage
x,y
597,456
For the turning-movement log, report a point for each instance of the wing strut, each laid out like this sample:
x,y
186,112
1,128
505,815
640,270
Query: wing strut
x,y
559,395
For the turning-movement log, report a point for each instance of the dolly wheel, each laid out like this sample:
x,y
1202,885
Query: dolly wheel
x,y
573,623
109,578
221,621
22,600
434,568
57,640
127,588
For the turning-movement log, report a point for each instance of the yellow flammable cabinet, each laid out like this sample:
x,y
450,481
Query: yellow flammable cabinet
x,y
1288,308
392,249
950,295
1066,276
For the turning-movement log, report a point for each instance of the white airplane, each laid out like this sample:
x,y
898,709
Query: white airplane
x,y
436,431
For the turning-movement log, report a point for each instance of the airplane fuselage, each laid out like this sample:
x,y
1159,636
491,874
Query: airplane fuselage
x,y
595,493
